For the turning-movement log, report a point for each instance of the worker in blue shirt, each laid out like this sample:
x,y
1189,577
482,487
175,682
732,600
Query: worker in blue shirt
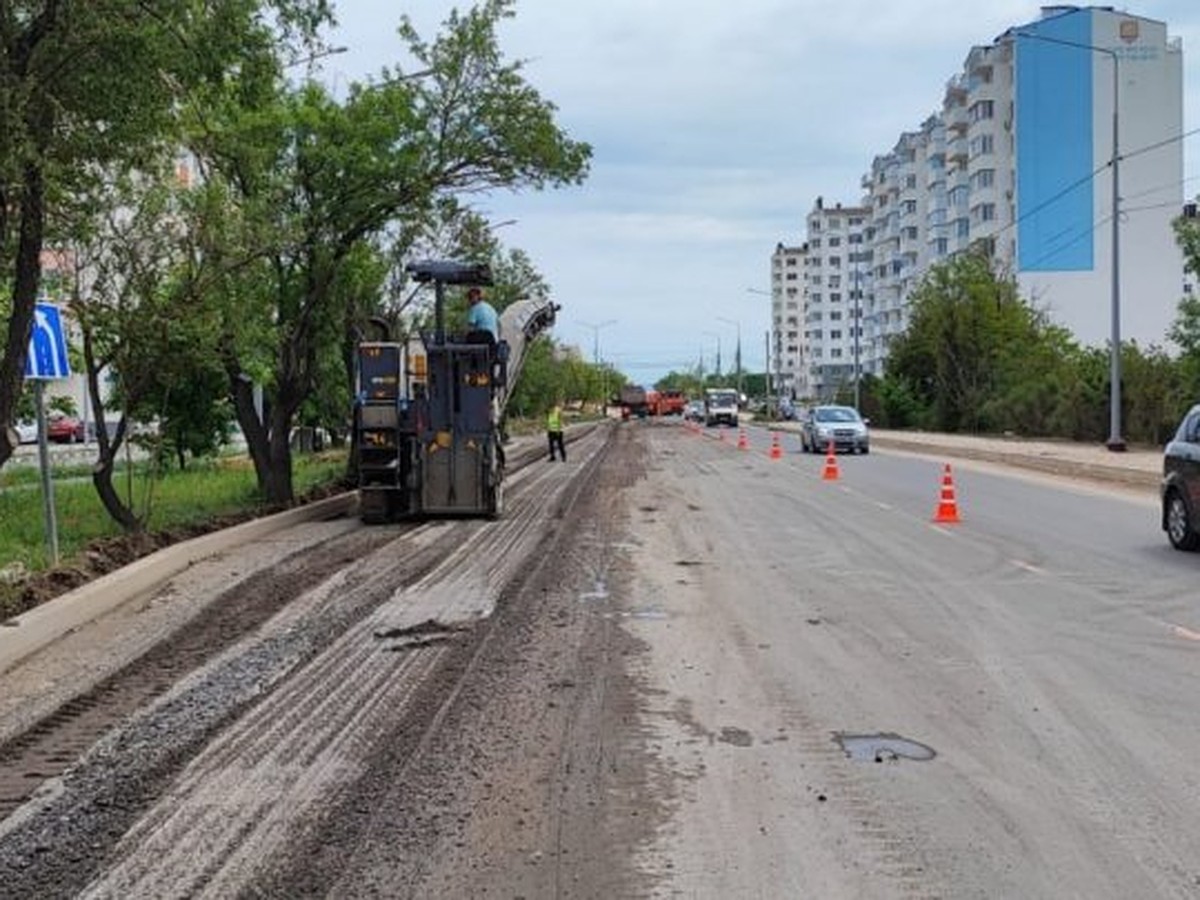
x,y
481,316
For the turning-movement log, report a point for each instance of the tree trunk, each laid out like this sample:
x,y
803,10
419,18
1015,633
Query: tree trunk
x,y
102,475
26,280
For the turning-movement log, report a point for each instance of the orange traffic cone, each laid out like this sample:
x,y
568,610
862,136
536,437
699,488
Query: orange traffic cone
x,y
776,450
743,444
947,510
831,465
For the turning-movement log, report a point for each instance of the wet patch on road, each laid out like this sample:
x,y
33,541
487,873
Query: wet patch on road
x,y
883,748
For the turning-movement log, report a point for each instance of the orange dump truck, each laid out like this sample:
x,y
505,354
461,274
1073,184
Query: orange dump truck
x,y
666,403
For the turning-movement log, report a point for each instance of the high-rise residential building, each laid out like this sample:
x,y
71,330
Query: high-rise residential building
x,y
787,320
837,275
1018,162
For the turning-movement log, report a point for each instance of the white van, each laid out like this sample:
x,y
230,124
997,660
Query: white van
x,y
721,407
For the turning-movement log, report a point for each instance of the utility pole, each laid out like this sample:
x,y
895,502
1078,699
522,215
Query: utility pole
x,y
857,329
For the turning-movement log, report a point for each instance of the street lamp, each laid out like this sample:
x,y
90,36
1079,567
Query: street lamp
x,y
1115,442
770,390
738,353
596,349
718,337
596,336
857,325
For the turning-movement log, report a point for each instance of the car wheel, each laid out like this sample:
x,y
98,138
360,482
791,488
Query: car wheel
x,y
1179,526
865,449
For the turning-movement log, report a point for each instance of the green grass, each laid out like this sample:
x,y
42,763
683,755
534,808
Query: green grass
x,y
207,490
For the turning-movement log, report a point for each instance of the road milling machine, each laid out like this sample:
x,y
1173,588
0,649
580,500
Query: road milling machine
x,y
428,411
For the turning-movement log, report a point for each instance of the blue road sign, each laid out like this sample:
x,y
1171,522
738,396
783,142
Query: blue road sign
x,y
47,356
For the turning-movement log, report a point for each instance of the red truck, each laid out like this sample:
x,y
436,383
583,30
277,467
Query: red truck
x,y
666,402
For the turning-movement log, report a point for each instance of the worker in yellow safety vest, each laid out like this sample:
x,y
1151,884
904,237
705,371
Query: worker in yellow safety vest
x,y
554,432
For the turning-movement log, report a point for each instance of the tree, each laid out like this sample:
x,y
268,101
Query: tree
x,y
313,178
971,341
87,88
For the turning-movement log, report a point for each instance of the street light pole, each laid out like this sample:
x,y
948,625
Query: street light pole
x,y
770,331
1115,441
596,352
738,353
718,337
857,325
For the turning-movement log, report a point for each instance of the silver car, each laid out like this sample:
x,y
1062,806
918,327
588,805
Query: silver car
x,y
841,425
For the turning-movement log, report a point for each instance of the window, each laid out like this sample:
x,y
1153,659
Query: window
x,y
835,223
835,297
791,276
791,260
835,281
982,110
910,181
835,316
835,335
984,178
981,145
835,262
815,243
835,242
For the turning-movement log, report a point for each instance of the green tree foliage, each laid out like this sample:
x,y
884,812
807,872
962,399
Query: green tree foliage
x,y
976,357
313,178
88,88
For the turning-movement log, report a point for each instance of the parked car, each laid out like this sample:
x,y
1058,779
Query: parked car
x,y
840,424
62,429
1181,484
694,411
27,432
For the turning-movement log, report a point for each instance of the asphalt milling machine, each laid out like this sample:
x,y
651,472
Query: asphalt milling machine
x,y
428,411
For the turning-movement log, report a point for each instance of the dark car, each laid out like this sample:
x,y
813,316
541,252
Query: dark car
x,y
840,425
64,429
1181,484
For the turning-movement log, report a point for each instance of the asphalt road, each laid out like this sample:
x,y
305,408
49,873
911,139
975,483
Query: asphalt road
x,y
1038,653
676,668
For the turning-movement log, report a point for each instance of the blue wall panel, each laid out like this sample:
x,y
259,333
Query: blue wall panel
x,y
1055,156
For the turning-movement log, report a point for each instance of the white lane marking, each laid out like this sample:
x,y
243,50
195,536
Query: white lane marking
x,y
1187,633
1028,567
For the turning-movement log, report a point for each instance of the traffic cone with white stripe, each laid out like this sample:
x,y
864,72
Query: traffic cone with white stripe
x,y
831,472
776,451
743,444
947,509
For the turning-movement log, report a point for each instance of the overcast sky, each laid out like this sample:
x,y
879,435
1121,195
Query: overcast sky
x,y
714,126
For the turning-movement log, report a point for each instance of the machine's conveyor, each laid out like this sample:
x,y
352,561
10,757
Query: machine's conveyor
x,y
520,323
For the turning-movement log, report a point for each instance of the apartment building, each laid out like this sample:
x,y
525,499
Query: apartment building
x,y
787,312
1017,161
836,284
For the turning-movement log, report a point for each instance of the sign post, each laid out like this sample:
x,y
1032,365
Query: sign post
x,y
46,360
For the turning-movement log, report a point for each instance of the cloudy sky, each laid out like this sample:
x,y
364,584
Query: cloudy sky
x,y
714,126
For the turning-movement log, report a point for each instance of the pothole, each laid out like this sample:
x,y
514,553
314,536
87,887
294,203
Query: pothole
x,y
882,748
